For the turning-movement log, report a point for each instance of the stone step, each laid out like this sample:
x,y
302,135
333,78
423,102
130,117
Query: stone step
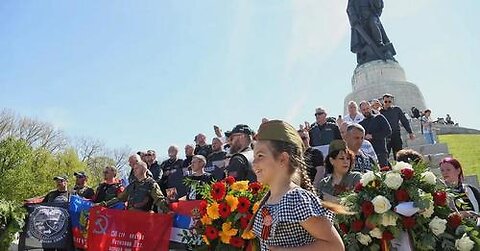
x,y
430,149
472,180
434,159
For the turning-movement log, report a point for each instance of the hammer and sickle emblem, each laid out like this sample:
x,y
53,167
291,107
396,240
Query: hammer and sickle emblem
x,y
101,225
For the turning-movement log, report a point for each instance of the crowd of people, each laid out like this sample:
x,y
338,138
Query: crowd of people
x,y
304,168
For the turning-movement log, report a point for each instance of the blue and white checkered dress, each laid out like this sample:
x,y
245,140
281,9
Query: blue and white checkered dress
x,y
296,206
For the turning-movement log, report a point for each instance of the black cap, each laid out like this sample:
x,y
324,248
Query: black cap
x,y
60,177
245,129
79,174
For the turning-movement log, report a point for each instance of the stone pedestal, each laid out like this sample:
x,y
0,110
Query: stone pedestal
x,y
373,79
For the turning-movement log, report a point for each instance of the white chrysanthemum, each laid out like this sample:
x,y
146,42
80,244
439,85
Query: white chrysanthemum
x,y
389,219
438,226
429,177
464,243
364,239
427,213
401,165
367,178
393,180
376,233
381,204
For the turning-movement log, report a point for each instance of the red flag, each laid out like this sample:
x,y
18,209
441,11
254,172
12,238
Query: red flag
x,y
185,207
111,229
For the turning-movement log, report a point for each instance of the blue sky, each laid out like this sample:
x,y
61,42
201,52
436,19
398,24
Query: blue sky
x,y
153,73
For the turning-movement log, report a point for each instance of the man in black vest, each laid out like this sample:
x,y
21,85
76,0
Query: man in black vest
x,y
240,164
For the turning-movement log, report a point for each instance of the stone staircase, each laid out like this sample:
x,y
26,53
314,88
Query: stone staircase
x,y
436,152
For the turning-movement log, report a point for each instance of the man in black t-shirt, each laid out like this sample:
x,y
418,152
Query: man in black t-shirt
x,y
216,160
60,194
395,116
199,175
189,149
377,129
313,158
81,188
240,163
202,148
171,182
153,166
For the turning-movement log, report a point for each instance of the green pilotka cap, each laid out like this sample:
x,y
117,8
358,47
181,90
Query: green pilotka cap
x,y
337,145
280,131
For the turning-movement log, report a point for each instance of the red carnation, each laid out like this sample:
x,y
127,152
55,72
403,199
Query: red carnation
x,y
245,220
387,236
344,228
255,187
401,195
237,242
408,222
385,168
407,173
357,226
440,198
203,207
230,180
454,220
367,208
224,210
243,205
358,187
218,191
211,232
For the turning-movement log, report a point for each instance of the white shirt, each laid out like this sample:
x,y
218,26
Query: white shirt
x,y
359,117
367,148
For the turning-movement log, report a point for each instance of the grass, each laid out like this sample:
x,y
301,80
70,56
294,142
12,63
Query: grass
x,y
466,149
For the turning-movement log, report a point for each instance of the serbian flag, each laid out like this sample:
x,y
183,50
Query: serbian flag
x,y
183,219
111,229
79,211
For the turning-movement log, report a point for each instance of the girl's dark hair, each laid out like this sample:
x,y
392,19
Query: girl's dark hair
x,y
298,167
409,156
333,155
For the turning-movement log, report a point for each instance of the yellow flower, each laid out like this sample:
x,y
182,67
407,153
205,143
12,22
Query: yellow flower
x,y
232,201
205,239
212,211
227,232
256,206
248,235
206,220
240,186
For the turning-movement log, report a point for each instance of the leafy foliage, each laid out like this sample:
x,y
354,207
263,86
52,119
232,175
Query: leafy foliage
x,y
12,217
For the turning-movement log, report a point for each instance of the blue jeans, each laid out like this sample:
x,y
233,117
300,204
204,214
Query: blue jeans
x,y
429,138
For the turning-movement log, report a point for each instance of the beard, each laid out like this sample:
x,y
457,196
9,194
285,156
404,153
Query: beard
x,y
235,147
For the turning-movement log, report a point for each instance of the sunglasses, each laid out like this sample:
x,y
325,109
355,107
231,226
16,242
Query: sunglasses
x,y
320,113
148,154
387,101
303,138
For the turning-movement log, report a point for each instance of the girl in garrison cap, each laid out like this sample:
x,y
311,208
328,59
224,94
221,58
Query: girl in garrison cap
x,y
291,216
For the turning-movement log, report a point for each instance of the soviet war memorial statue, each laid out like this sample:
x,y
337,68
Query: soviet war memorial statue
x,y
369,40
